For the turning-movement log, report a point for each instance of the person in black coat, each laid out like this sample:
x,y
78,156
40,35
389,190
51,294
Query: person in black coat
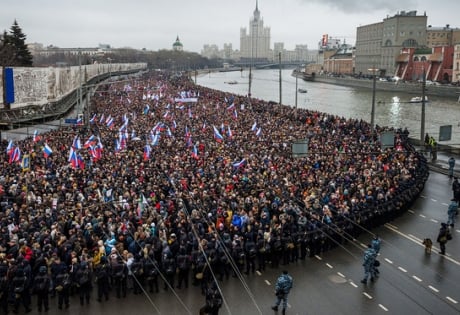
x,y
84,283
443,237
41,288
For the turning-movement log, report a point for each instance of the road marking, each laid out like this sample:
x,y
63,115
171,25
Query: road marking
x,y
388,226
444,204
422,196
317,257
392,226
434,200
329,265
417,278
423,216
258,273
367,295
268,282
411,211
433,220
362,245
383,307
341,274
433,288
415,237
451,299
388,261
353,284
458,231
402,269
289,305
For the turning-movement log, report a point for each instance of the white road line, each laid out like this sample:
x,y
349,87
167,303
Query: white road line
x,y
433,220
317,257
434,200
388,226
458,231
392,226
451,299
423,216
363,245
444,204
417,278
415,237
433,288
402,269
411,211
388,261
367,295
258,273
341,274
422,196
289,305
353,284
268,282
329,265
383,307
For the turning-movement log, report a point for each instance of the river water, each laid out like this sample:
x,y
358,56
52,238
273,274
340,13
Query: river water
x,y
343,101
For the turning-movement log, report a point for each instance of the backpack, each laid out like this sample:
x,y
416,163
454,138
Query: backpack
x,y
215,300
42,285
84,277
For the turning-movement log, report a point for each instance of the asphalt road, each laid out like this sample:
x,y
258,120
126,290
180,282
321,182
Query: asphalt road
x,y
410,281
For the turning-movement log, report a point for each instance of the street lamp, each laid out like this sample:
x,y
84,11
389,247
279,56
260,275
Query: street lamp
x,y
422,122
374,70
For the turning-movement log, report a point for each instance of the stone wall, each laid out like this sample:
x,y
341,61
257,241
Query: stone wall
x,y
39,86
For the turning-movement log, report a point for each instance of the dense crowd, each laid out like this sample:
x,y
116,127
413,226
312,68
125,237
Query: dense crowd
x,y
168,181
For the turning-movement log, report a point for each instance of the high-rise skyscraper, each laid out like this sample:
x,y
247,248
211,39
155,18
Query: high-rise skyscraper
x,y
255,46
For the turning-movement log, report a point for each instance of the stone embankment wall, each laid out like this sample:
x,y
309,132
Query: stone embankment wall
x,y
39,86
406,87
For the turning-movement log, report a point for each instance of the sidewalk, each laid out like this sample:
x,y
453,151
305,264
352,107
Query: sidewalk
x,y
441,164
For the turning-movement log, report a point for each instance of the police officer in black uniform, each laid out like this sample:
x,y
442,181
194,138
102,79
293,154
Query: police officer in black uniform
x,y
41,288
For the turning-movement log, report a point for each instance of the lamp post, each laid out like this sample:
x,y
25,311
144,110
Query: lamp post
x,y
374,79
422,119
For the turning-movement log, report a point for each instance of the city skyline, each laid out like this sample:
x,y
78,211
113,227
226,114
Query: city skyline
x,y
144,24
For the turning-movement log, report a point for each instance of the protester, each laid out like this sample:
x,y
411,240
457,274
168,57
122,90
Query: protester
x,y
161,156
452,212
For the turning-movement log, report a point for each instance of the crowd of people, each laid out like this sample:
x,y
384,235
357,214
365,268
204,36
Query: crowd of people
x,y
168,181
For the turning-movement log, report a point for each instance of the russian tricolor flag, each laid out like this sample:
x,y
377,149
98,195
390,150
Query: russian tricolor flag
x,y
217,135
36,137
47,151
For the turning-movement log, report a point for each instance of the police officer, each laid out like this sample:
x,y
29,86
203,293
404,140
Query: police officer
x,y
283,286
62,287
4,286
213,300
119,277
41,288
368,263
102,272
84,283
151,271
184,263
20,285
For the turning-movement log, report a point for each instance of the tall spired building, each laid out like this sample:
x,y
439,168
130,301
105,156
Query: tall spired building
x,y
255,46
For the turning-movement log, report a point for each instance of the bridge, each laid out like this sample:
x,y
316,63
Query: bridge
x,y
270,65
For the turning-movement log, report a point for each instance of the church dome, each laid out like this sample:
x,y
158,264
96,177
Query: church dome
x,y
177,44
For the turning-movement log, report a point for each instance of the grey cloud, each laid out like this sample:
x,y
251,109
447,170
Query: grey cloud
x,y
348,6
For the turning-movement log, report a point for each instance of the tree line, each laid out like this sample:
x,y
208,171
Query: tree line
x,y
15,53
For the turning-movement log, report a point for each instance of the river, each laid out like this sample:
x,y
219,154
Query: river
x,y
349,102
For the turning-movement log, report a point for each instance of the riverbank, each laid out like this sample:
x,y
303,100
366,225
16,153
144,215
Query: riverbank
x,y
406,87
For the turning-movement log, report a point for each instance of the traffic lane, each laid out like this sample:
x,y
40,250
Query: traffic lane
x,y
394,290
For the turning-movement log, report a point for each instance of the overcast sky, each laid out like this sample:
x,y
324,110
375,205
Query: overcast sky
x,y
154,24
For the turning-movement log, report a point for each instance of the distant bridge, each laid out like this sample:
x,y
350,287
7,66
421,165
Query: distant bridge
x,y
269,65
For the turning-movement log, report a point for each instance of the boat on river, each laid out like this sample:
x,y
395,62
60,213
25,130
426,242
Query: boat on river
x,y
418,99
232,82
306,76
302,90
